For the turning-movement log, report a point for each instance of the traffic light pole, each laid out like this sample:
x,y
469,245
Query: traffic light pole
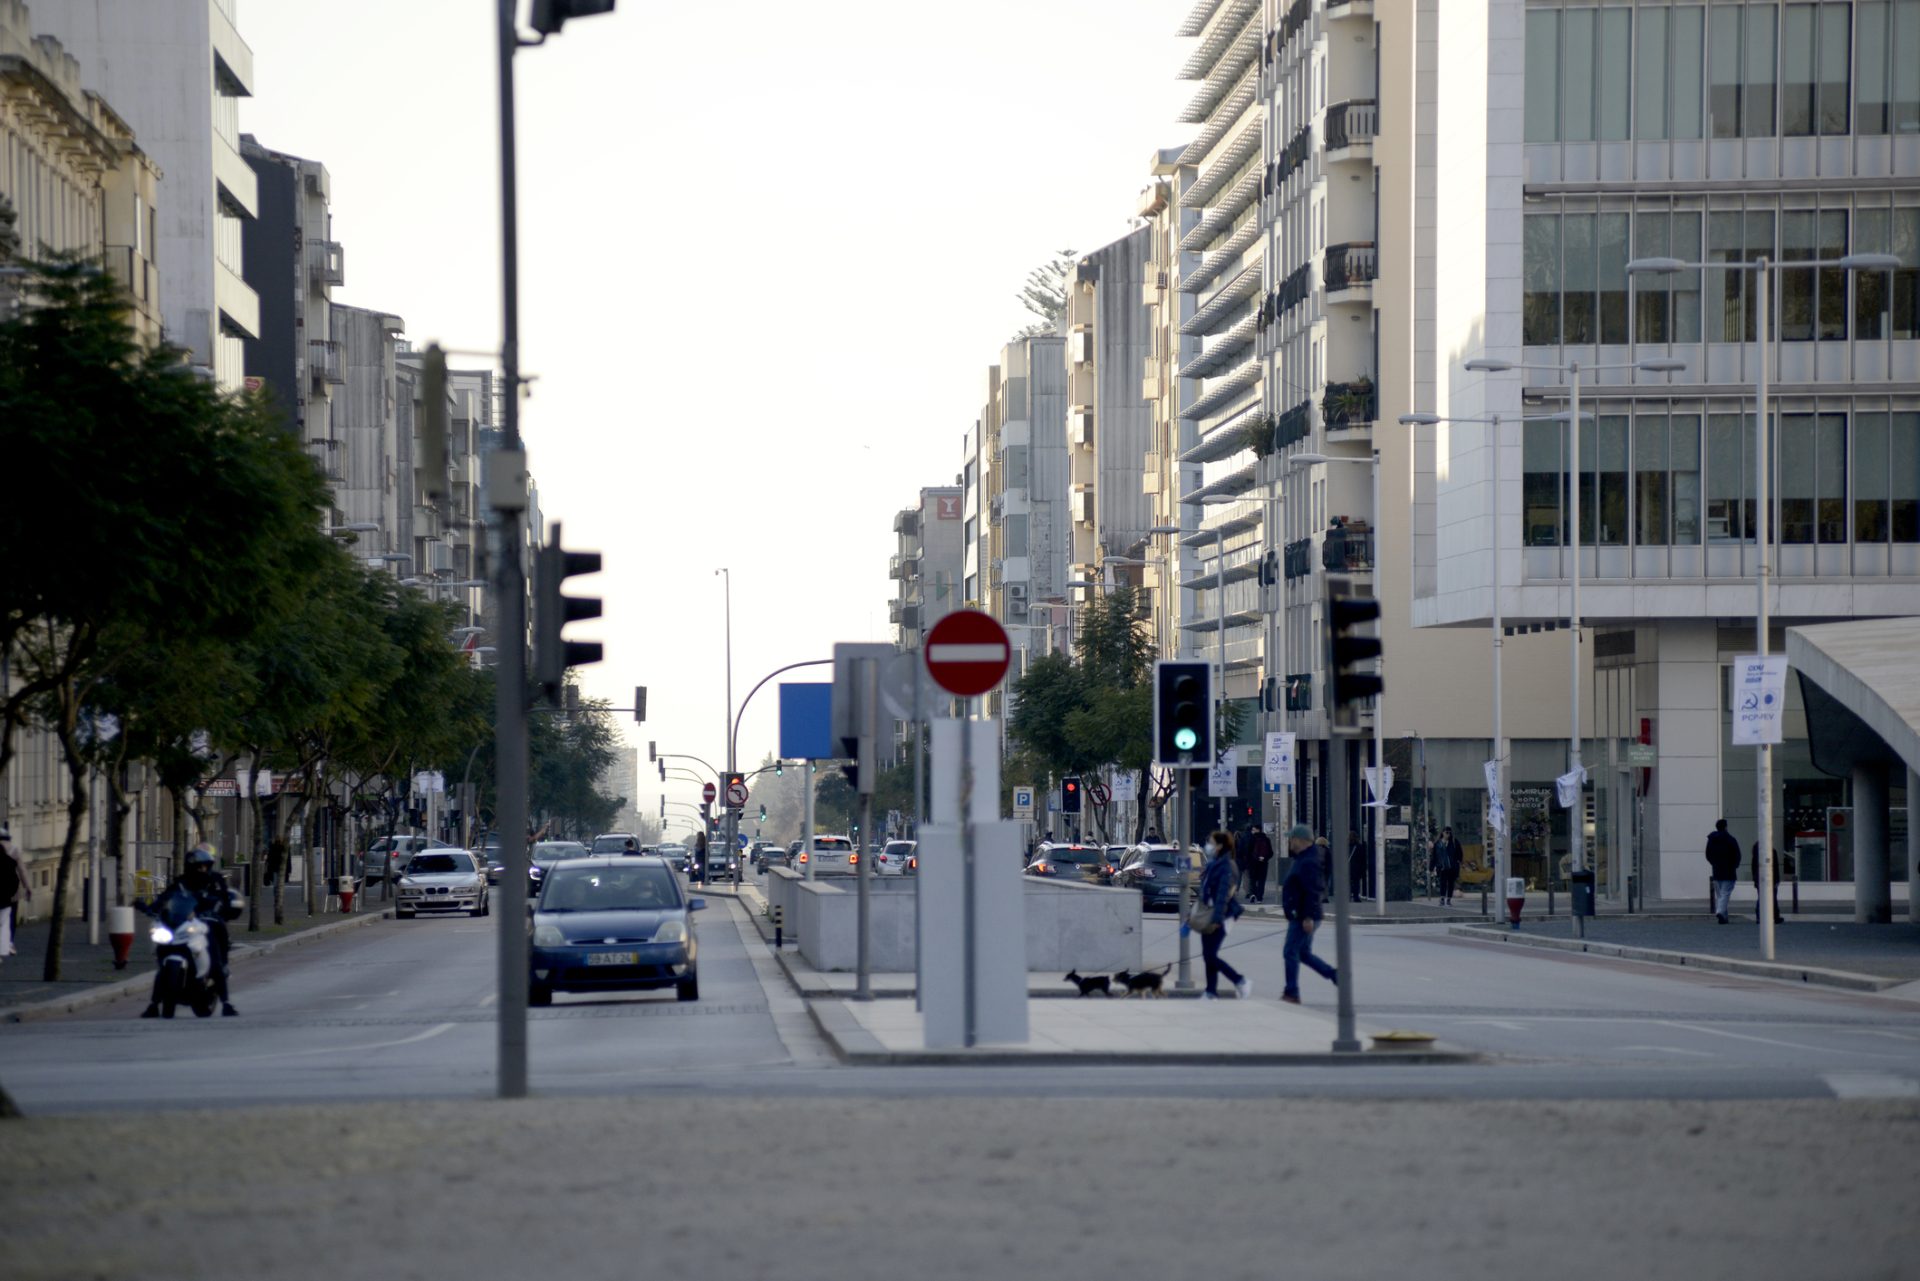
x,y
1340,810
1184,835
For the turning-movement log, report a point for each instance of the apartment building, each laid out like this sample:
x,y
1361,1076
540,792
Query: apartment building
x,y
146,57
372,482
1023,448
1160,387
928,564
293,265
1568,140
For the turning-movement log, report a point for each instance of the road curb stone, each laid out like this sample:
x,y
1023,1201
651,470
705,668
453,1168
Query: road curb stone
x,y
1845,980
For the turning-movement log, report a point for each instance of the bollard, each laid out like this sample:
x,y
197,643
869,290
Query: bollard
x,y
1549,898
1485,890
779,927
1516,898
120,930
346,894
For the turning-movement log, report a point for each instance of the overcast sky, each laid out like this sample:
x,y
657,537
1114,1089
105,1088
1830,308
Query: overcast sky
x,y
767,252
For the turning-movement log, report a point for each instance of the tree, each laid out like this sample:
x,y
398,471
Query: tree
x,y
179,511
1045,293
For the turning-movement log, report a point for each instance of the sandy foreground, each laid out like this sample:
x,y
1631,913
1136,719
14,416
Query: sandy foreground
x,y
924,1189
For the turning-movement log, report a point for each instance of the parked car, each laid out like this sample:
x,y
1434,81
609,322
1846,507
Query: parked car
x,y
546,853
614,842
676,856
390,851
442,880
1154,870
894,858
1060,861
613,924
766,853
828,856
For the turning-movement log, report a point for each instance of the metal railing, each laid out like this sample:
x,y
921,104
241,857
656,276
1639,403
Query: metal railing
x,y
1347,548
1354,263
1356,120
1299,558
1349,404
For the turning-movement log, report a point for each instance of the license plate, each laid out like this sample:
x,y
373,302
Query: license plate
x,y
613,958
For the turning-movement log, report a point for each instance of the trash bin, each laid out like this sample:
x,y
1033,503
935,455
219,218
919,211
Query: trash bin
x,y
1582,887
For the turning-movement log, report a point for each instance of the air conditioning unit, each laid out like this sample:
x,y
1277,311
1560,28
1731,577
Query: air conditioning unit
x,y
1017,592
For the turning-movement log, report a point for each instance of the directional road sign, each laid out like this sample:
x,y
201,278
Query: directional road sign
x,y
737,793
968,653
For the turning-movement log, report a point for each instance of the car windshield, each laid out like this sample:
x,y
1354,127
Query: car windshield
x,y
1161,858
554,851
899,847
435,864
610,844
832,844
1064,855
637,888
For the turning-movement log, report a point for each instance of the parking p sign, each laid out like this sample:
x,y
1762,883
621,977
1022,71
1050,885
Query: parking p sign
x,y
1023,802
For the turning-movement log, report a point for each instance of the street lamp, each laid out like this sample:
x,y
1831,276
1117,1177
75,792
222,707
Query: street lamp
x,y
1762,268
1577,823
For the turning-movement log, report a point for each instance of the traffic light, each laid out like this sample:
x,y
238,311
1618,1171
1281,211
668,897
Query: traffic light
x,y
640,705
430,435
550,15
779,770
1070,795
763,813
652,754
552,653
1182,713
663,771
1346,651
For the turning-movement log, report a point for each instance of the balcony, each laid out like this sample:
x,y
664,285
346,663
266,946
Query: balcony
x,y
326,263
1293,426
895,569
323,362
1298,560
906,522
1300,692
1351,127
1348,549
1354,404
1350,272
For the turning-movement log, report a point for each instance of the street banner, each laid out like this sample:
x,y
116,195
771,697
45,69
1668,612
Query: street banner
x,y
1277,770
1497,817
1221,777
1492,770
1379,784
1759,696
1567,787
1126,786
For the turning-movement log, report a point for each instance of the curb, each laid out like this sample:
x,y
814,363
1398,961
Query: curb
x,y
1845,980
123,987
854,1045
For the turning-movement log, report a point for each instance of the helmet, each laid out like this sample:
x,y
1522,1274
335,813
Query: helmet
x,y
200,856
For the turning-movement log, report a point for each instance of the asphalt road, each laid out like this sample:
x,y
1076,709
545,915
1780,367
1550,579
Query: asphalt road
x,y
404,1010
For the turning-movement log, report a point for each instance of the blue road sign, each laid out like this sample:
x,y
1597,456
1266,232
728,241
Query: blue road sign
x,y
806,722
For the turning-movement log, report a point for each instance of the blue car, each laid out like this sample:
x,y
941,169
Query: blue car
x,y
613,924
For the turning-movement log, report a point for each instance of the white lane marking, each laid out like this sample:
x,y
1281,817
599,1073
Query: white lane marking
x,y
417,1037
1765,1040
1499,1023
966,653
489,999
1663,1049
1871,1085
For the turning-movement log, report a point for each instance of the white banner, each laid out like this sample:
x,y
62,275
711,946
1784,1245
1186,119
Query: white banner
x,y
1567,787
1277,770
1492,770
1379,784
1126,786
1220,780
429,781
1759,696
1497,817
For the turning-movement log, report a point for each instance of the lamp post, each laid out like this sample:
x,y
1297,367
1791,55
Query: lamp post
x,y
1299,462
1577,822
733,819
1762,268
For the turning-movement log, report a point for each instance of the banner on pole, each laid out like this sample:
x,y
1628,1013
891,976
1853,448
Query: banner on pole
x,y
1497,817
1220,780
1126,786
1277,769
1759,696
1379,784
1492,770
1567,787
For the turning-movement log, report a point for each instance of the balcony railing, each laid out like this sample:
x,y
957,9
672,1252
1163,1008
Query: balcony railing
x,y
1300,692
1348,549
1293,426
1299,558
894,569
323,361
327,261
1289,294
1351,404
1352,122
1354,263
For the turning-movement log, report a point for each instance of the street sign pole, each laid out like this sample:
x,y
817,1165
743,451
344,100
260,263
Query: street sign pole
x,y
866,677
1183,822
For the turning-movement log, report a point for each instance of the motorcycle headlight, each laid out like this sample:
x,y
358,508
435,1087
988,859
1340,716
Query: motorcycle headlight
x,y
671,932
160,934
548,936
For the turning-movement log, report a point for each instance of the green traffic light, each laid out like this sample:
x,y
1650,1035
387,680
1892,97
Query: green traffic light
x,y
1185,739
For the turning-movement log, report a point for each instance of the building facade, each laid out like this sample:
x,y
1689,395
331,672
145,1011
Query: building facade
x,y
293,265
928,564
1708,134
141,55
1109,420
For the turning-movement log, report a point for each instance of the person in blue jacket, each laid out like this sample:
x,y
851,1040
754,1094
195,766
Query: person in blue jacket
x,y
1300,897
1218,881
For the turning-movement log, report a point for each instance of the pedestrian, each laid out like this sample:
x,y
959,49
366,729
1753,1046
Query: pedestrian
x,y
1300,896
1259,854
1780,868
14,889
1359,869
1214,905
1447,859
1723,858
1154,837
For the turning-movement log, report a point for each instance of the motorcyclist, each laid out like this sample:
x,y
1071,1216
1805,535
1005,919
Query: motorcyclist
x,y
216,904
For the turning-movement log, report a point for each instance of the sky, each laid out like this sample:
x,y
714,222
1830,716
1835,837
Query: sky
x,y
768,251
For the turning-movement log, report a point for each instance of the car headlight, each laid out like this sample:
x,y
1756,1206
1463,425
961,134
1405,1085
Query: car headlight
x,y
671,932
160,934
407,884
548,936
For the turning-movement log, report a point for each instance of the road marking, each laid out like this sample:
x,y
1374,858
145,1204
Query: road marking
x,y
1761,1040
1871,1085
489,999
1664,1049
417,1037
1499,1023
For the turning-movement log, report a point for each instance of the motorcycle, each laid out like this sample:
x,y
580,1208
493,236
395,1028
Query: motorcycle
x,y
183,950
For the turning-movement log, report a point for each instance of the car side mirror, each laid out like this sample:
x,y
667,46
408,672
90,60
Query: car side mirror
x,y
697,905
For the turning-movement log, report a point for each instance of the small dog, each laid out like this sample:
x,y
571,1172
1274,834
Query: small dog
x,y
1145,983
1098,983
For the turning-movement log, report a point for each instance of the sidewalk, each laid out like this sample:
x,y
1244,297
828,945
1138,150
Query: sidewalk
x,y
1814,950
1259,1032
86,970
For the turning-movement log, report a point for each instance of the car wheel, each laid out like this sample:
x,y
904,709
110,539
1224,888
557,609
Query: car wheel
x,y
689,989
539,994
481,908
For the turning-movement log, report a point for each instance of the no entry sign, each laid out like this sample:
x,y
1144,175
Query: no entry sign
x,y
707,792
967,653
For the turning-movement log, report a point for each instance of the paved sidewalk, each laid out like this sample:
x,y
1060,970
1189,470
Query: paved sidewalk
x,y
85,966
1210,1033
1808,949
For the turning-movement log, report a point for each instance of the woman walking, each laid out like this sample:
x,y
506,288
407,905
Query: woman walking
x,y
1213,907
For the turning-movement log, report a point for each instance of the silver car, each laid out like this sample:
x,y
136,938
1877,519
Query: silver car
x,y
443,881
829,856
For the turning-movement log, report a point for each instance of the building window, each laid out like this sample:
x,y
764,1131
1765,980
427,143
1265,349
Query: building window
x,y
1543,482
1652,482
1812,303
1683,432
1887,62
1886,477
1815,47
1667,308
1813,478
1016,531
1729,506
1736,237
1887,303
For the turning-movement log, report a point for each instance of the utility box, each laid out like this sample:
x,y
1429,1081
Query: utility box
x,y
1581,884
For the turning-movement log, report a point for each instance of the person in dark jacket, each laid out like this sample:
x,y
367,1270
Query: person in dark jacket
x,y
1217,883
1359,869
1259,853
1300,897
1447,859
215,904
1723,857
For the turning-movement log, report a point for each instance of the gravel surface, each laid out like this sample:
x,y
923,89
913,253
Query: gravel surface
x,y
924,1190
